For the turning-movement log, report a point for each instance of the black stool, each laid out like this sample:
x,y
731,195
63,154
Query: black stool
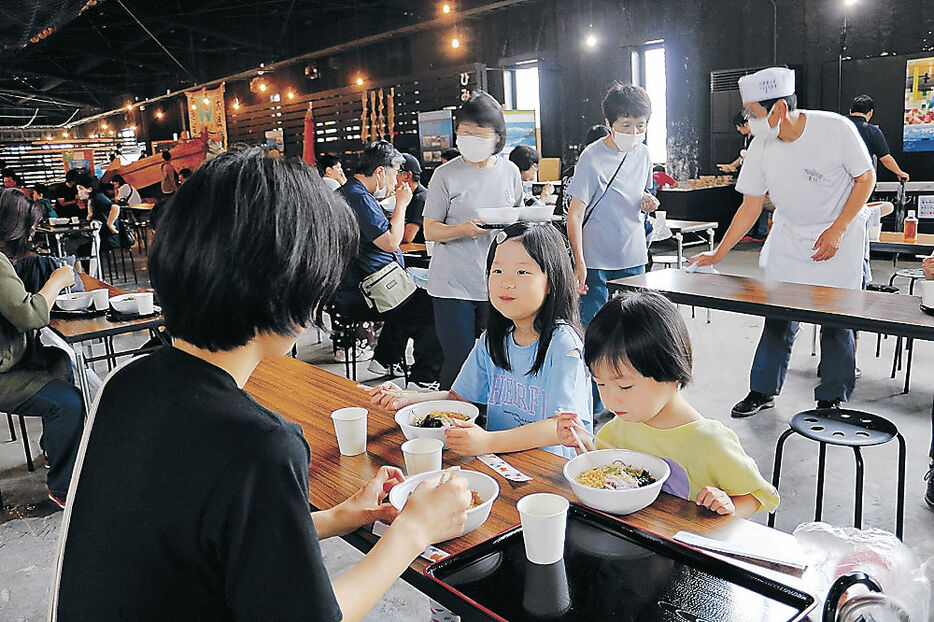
x,y
846,428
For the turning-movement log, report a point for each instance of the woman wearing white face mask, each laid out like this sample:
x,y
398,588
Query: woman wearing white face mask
x,y
479,178
609,195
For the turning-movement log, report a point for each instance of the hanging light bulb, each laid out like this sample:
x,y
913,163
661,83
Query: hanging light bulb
x,y
262,86
290,95
159,115
446,8
205,101
591,40
455,43
194,106
237,104
359,81
129,107
103,126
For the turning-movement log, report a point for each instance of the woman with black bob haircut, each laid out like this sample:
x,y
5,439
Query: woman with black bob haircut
x,y
479,178
35,380
217,486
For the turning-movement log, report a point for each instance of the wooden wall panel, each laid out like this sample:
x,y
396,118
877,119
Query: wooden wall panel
x,y
337,112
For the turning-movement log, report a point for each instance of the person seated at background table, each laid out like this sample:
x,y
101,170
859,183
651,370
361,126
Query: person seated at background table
x,y
40,195
449,154
66,195
379,261
184,175
124,193
11,179
639,352
329,166
481,177
527,365
212,520
35,380
526,158
411,175
101,209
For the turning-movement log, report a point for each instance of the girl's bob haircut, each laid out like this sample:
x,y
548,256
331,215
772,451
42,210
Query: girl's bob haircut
x,y
641,330
548,249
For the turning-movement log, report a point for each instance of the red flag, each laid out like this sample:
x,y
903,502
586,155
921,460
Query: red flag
x,y
308,143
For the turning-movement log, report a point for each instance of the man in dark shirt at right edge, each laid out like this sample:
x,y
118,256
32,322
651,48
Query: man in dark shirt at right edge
x,y
860,113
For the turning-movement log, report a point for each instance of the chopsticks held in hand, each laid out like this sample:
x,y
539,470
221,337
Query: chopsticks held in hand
x,y
386,390
597,442
448,474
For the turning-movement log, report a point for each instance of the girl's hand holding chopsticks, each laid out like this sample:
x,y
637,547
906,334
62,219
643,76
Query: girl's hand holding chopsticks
x,y
568,424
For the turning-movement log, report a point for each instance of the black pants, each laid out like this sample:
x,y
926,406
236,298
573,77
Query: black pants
x,y
413,319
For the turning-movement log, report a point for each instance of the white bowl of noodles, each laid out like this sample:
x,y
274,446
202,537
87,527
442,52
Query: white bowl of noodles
x,y
412,419
483,488
593,476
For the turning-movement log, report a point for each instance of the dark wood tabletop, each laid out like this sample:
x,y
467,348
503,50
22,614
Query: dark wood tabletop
x,y
307,395
75,330
892,314
892,242
412,247
80,227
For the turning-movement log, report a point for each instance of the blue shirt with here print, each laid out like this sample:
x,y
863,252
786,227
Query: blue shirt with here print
x,y
515,398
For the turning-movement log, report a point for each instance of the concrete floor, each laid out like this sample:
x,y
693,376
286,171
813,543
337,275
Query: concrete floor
x,y
723,352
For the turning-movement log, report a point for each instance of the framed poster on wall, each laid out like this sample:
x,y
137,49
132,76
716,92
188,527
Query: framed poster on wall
x,y
435,134
78,159
919,105
520,129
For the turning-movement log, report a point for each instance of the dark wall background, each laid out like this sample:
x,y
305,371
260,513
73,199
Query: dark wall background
x,y
700,36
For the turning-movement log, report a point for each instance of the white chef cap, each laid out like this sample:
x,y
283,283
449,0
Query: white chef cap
x,y
766,84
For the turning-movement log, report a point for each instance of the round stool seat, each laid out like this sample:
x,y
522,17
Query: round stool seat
x,y
841,426
910,273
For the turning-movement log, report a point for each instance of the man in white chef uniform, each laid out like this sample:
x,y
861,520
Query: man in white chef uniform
x,y
816,169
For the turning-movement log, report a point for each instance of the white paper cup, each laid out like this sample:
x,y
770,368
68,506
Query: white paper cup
x,y
350,427
101,298
660,216
144,303
927,293
544,518
421,455
75,220
875,232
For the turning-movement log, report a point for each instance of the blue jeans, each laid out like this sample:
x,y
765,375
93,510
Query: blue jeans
x,y
597,292
837,360
62,411
458,324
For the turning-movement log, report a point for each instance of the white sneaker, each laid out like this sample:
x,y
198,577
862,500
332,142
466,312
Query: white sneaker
x,y
424,387
363,354
393,371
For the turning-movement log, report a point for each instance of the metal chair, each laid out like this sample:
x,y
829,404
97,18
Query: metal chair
x,y
25,436
845,428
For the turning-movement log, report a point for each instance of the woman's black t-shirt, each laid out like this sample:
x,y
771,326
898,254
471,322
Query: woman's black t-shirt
x,y
191,504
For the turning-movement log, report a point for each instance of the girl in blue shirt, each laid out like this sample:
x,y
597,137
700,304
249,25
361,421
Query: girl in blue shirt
x,y
527,365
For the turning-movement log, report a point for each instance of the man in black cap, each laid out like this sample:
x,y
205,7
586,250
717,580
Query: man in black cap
x,y
411,174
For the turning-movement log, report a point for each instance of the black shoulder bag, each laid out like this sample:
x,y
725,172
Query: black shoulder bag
x,y
588,211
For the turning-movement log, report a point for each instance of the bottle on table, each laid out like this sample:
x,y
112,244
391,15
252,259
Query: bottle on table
x,y
911,227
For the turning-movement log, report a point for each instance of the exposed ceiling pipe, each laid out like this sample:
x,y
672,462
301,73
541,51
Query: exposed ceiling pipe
x,y
334,49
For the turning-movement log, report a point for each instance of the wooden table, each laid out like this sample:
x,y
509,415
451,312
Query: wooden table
x,y
141,207
77,331
892,242
415,254
307,395
875,312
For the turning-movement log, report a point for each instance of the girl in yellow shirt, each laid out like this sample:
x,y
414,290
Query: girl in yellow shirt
x,y
639,352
